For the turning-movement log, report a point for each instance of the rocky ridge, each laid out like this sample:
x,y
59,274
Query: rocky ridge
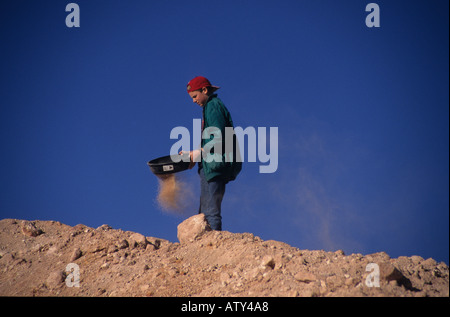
x,y
48,258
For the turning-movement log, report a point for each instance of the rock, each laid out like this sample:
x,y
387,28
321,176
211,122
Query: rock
x,y
416,259
55,279
123,244
137,240
29,229
105,265
349,281
104,227
155,242
268,261
76,254
305,277
144,287
225,278
389,272
112,249
429,264
101,291
192,228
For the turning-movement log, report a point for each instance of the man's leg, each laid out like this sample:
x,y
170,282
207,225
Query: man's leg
x,y
211,195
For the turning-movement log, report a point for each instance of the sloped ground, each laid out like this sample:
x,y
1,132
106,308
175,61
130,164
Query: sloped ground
x,y
34,256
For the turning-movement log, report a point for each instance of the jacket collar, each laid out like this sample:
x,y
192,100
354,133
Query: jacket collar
x,y
211,97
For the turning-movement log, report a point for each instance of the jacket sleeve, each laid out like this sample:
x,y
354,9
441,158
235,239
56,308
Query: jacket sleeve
x,y
214,132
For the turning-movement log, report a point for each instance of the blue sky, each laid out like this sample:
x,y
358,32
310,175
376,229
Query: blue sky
x,y
362,116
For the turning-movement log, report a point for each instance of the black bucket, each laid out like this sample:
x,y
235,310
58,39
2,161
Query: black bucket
x,y
164,165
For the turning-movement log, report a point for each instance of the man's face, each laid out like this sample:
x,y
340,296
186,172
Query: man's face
x,y
199,97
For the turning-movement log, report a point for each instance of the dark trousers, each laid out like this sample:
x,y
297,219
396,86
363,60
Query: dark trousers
x,y
211,195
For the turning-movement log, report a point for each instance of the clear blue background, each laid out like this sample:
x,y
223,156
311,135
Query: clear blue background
x,y
362,113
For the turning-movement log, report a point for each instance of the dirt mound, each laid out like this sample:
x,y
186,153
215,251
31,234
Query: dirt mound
x,y
47,258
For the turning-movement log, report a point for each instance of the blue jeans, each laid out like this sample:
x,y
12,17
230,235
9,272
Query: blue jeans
x,y
211,195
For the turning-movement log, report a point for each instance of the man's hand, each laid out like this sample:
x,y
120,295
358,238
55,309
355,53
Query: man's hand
x,y
194,156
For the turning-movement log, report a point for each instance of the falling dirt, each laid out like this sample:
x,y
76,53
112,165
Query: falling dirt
x,y
174,194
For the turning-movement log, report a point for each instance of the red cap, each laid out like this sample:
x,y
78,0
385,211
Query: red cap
x,y
198,83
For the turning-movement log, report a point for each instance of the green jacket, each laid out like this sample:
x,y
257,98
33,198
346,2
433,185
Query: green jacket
x,y
221,164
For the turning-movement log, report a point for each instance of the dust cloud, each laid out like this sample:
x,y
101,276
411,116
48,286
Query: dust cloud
x,y
174,194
